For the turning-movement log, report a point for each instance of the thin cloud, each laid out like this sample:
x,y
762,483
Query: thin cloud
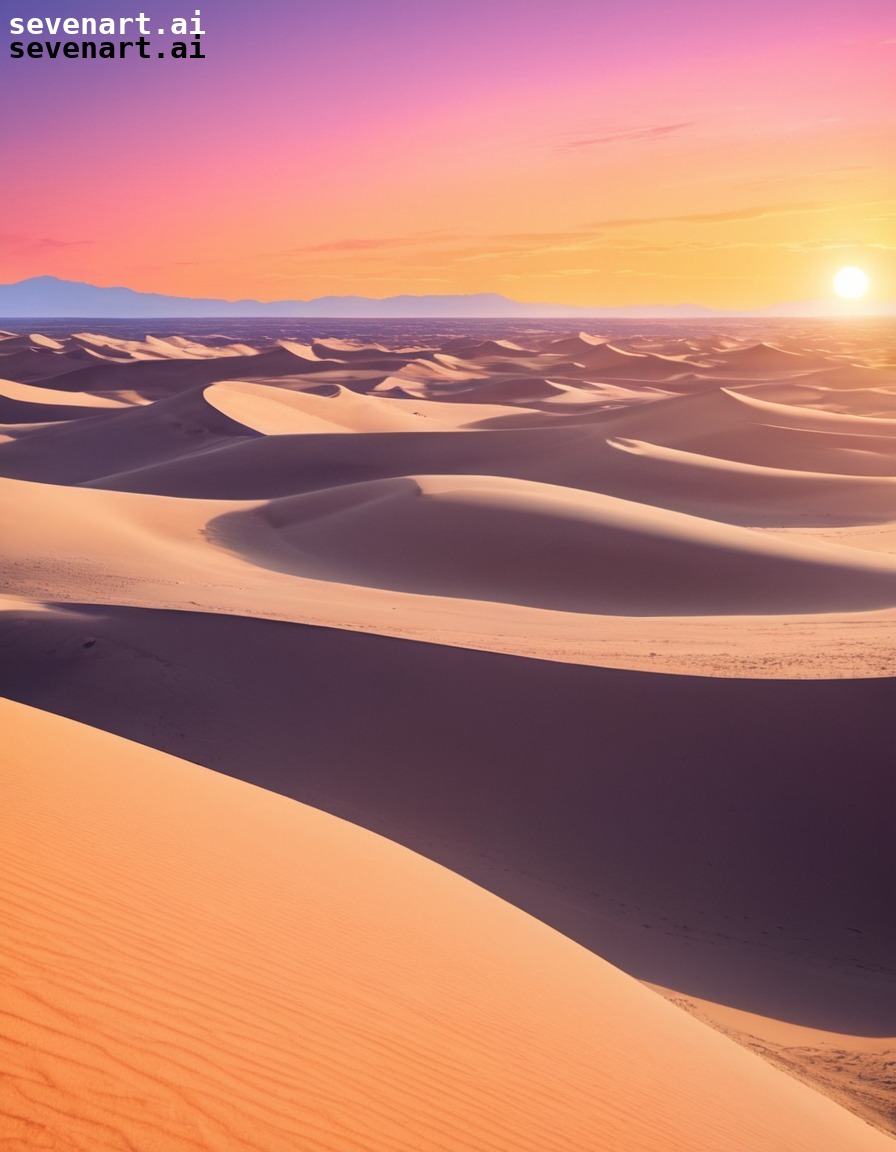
x,y
393,279
836,245
785,179
11,245
657,132
373,244
559,274
651,274
756,213
445,247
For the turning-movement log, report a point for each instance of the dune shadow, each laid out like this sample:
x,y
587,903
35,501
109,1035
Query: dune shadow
x,y
731,839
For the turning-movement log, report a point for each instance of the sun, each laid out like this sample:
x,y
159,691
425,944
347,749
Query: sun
x,y
851,283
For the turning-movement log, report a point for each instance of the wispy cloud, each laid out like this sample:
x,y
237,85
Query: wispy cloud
x,y
657,132
594,236
417,255
653,274
752,213
784,179
394,279
836,246
373,243
557,274
11,245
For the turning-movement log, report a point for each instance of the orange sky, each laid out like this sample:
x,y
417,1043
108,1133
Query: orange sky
x,y
735,163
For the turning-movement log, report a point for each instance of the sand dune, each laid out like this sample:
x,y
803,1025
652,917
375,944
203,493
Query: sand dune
x,y
32,363
157,377
156,348
750,493
590,458
356,353
179,425
608,357
497,539
277,411
572,450
747,429
787,416
583,342
458,564
76,545
603,622
44,342
727,838
466,349
335,408
156,1000
763,357
27,404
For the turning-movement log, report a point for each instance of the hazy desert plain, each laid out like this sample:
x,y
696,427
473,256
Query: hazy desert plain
x,y
461,737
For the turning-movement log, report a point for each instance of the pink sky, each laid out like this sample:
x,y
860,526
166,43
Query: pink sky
x,y
730,155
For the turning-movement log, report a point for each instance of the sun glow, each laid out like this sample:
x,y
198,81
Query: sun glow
x,y
851,283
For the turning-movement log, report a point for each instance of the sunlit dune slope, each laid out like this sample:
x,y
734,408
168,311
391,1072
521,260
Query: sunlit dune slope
x,y
335,408
194,963
25,403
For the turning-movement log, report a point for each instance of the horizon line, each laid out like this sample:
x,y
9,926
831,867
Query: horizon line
x,y
803,309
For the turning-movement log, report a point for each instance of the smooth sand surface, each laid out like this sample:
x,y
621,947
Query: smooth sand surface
x,y
606,625
198,963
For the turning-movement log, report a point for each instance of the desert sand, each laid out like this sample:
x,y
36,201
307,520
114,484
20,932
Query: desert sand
x,y
556,673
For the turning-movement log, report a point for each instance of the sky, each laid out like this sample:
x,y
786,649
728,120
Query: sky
x,y
725,153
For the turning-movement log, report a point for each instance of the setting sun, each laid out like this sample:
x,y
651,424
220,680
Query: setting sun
x,y
851,283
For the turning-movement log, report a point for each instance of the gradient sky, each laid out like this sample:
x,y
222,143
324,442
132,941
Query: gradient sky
x,y
732,154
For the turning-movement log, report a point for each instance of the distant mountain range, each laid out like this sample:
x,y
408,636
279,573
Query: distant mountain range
x,y
47,296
